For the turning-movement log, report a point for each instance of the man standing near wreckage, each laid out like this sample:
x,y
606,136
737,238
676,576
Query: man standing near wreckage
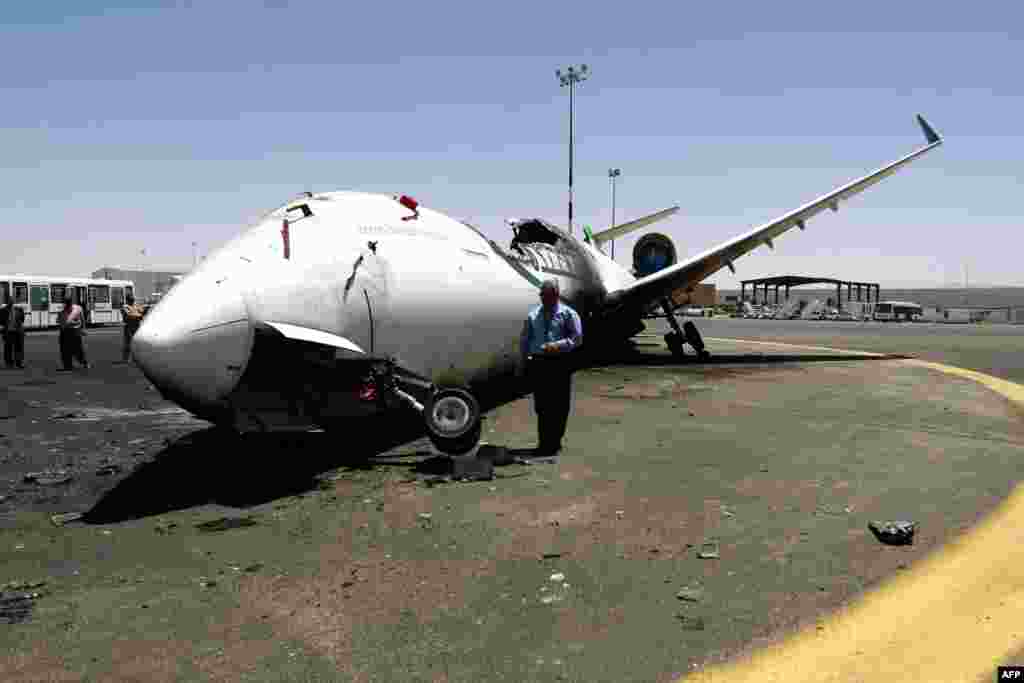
x,y
551,332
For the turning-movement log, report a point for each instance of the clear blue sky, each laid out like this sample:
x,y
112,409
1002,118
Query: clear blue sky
x,y
152,126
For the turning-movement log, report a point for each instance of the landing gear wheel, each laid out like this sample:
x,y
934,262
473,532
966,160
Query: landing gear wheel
x,y
453,421
693,338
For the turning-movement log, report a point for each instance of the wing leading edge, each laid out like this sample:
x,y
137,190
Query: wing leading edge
x,y
645,291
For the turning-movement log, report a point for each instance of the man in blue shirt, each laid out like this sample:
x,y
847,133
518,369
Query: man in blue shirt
x,y
551,332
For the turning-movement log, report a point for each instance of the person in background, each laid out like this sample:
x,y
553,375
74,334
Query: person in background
x,y
131,316
72,343
550,333
12,324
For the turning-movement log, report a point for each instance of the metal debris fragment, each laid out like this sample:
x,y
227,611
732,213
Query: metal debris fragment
x,y
106,470
48,477
894,533
225,523
61,520
691,594
708,551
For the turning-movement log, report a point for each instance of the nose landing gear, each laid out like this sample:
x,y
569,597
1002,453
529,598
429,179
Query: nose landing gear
x,y
451,415
678,337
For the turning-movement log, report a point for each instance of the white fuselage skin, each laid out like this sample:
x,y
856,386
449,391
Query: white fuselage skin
x,y
446,304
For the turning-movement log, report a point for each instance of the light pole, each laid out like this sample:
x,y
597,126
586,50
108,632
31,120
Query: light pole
x,y
613,173
194,254
572,76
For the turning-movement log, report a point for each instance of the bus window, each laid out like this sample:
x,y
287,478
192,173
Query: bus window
x,y
40,298
883,308
99,294
116,297
129,291
5,289
21,292
57,293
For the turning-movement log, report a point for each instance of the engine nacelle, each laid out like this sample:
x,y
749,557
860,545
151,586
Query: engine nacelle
x,y
652,253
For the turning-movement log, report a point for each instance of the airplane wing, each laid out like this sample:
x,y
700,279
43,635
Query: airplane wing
x,y
618,231
647,290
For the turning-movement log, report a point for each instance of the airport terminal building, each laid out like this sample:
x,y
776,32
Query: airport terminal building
x,y
147,282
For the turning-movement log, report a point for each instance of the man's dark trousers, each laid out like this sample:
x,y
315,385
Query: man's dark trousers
x,y
14,348
551,379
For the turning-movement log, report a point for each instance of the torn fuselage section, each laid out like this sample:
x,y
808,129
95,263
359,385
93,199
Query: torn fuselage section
x,y
533,231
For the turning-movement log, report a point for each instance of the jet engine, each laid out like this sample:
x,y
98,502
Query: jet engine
x,y
651,253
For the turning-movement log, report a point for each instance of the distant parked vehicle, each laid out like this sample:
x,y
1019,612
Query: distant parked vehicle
x,y
897,310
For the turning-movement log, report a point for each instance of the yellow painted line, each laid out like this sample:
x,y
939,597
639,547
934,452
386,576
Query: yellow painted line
x,y
955,617
798,346
781,345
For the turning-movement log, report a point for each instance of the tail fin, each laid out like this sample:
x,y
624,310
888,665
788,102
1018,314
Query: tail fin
x,y
626,228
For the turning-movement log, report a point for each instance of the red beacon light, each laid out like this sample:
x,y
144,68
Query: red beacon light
x,y
411,204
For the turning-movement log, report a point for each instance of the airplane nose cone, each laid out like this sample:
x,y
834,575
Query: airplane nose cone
x,y
194,345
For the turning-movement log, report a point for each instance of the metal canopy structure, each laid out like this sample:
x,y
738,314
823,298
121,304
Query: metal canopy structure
x,y
788,281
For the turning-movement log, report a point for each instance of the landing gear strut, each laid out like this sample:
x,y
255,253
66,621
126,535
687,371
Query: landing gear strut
x,y
451,414
678,337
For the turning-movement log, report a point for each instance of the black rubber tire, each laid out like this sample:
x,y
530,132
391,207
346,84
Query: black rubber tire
x,y
457,405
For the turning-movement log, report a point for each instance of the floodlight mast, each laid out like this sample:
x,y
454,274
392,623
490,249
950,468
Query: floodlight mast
x,y
613,173
571,77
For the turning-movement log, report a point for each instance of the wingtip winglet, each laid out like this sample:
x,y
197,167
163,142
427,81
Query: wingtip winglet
x,y
929,133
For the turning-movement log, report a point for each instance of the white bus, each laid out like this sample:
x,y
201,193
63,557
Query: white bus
x,y
897,310
42,297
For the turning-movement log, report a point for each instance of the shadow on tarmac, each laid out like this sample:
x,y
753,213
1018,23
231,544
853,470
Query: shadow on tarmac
x,y
218,467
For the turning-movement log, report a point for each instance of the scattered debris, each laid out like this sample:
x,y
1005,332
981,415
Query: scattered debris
x,y
17,600
225,523
558,578
165,527
496,455
537,460
471,468
894,533
708,551
67,416
48,477
764,468
691,623
254,567
691,594
552,556
108,470
22,585
426,516
61,520
207,583
620,513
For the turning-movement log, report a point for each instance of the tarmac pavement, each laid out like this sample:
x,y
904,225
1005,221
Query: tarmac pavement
x,y
314,557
